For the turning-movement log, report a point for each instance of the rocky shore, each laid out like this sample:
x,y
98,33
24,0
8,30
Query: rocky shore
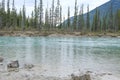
x,y
12,71
55,34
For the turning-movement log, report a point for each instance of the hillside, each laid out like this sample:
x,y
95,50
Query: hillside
x,y
104,9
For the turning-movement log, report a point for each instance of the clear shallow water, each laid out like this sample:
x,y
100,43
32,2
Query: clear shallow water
x,y
63,56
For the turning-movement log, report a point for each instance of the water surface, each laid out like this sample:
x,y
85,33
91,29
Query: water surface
x,y
63,56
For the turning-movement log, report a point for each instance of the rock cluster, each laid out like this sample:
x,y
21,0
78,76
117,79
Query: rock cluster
x,y
82,77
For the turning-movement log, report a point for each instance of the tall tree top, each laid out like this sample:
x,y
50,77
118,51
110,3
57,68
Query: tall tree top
x,y
58,2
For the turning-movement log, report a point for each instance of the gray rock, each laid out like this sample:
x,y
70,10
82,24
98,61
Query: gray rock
x,y
28,66
83,77
13,64
1,59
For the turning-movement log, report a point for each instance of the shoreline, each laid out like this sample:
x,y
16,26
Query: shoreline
x,y
56,34
39,73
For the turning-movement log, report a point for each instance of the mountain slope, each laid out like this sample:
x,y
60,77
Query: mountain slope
x,y
104,9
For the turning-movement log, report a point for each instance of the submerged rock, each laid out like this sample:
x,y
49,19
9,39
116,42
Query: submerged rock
x,y
1,59
28,66
83,77
13,64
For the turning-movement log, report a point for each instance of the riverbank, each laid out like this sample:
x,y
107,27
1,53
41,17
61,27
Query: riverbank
x,y
39,73
56,34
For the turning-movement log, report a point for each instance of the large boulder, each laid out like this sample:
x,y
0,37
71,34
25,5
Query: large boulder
x,y
1,59
83,77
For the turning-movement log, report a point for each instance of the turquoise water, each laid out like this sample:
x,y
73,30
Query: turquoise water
x,y
64,54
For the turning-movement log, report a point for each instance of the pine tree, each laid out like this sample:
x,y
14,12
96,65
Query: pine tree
x,y
60,16
68,21
110,19
104,24
32,20
8,14
88,19
118,20
3,5
75,16
81,19
41,14
3,14
46,18
96,21
53,14
57,14
50,18
13,16
23,17
36,15
19,20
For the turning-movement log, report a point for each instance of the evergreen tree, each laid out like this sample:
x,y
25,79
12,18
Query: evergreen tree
x,y
96,21
53,14
13,16
104,23
41,14
32,20
3,5
2,14
110,19
8,14
75,16
81,19
36,15
118,20
60,16
88,19
23,17
19,19
68,21
46,19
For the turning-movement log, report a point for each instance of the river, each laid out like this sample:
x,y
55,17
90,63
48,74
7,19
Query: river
x,y
64,55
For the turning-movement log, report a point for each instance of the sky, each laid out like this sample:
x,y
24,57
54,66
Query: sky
x,y
65,3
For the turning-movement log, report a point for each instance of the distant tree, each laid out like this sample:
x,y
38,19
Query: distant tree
x,y
32,20
57,13
104,23
110,18
75,16
117,20
19,19
50,18
3,5
60,16
81,22
68,21
2,15
23,17
8,14
46,19
88,19
53,14
27,22
13,16
41,14
96,21
35,15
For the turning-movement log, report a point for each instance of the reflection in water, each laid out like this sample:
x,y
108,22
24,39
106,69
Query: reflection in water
x,y
64,55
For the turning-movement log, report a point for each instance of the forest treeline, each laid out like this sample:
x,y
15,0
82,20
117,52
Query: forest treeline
x,y
52,18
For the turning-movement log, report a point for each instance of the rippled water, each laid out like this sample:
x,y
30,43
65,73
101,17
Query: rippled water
x,y
64,55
